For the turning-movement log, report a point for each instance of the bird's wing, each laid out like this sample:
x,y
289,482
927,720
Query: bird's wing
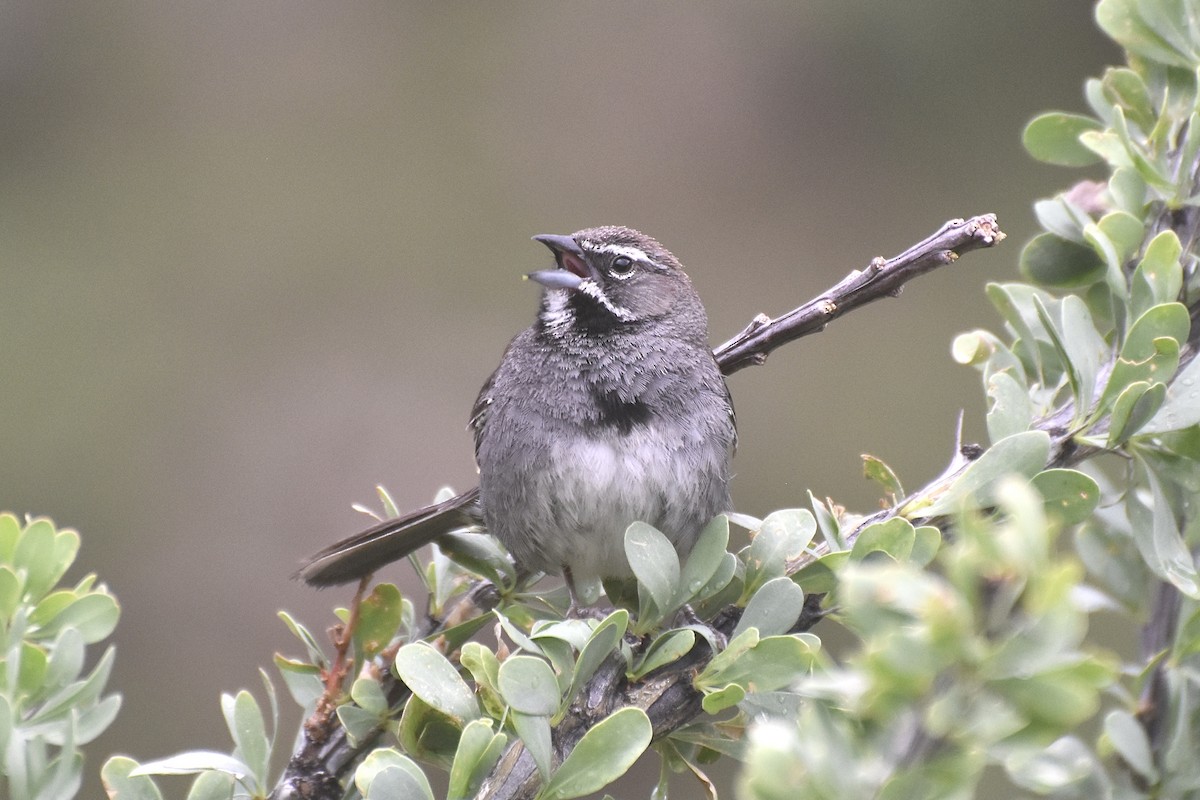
x,y
479,411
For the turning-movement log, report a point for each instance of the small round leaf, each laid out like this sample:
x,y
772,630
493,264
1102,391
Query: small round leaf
x,y
528,685
435,680
604,754
1051,260
1054,138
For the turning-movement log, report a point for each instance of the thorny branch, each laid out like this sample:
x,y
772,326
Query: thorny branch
x,y
325,756
881,278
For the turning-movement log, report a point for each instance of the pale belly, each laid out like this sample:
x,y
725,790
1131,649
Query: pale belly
x,y
593,489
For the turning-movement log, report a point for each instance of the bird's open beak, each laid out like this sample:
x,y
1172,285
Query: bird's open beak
x,y
572,268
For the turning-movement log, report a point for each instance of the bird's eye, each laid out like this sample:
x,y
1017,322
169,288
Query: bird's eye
x,y
622,265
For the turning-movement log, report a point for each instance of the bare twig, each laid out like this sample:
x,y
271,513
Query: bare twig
x,y
325,755
1157,635
881,278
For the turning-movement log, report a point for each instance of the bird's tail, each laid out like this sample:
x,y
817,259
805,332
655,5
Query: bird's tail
x,y
390,540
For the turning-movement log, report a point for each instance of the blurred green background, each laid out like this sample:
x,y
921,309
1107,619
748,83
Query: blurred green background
x,y
256,258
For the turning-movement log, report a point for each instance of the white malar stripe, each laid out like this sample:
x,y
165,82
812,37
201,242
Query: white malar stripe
x,y
593,291
558,316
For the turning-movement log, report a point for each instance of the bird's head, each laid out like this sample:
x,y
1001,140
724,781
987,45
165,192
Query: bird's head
x,y
613,277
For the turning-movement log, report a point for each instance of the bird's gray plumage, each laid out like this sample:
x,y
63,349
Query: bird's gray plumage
x,y
609,409
595,418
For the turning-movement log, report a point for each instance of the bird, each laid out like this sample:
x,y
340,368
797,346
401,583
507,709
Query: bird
x,y
609,409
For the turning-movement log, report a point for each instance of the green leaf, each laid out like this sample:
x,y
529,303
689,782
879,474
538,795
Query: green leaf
x,y
302,681
1156,368
668,647
272,702
1068,493
1084,346
894,536
1128,191
249,733
528,685
973,348
720,699
1014,301
1053,330
10,592
605,753
1121,20
121,784
1151,349
1125,88
1057,700
193,762
32,670
94,615
720,580
386,774
600,644
704,560
427,734
1113,559
481,663
478,751
927,540
768,664
1135,406
773,609
1158,278
655,564
35,553
1022,454
379,618
875,470
394,782
1050,260
360,723
368,695
435,680
534,732
1011,410
10,534
1129,738
1169,320
1180,409
1054,139
211,786
80,693
95,720
827,523
480,553
315,655
66,659
1125,231
1160,542
1108,145
820,576
782,538
1061,217
559,641
1045,770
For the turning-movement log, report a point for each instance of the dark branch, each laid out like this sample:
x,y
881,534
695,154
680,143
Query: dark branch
x,y
881,278
325,755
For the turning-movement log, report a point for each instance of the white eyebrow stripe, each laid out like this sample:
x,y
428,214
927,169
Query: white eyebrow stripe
x,y
617,250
